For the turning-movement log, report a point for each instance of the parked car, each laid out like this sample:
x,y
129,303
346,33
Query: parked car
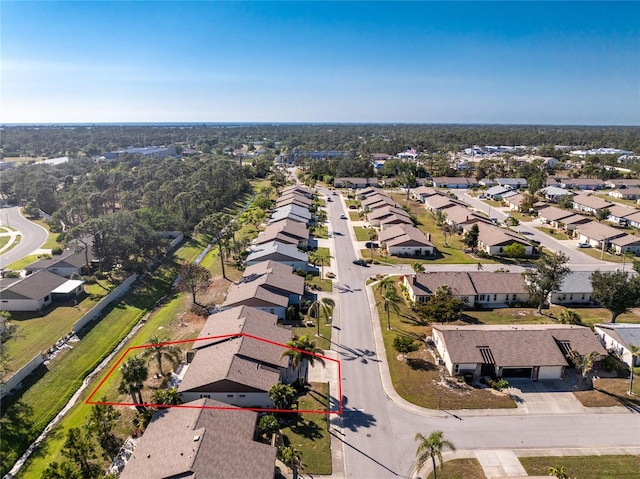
x,y
371,244
343,216
334,193
584,245
329,198
361,262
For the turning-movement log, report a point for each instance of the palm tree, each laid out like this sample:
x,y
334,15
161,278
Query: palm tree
x,y
170,397
385,284
134,374
417,268
302,352
321,306
158,350
291,457
447,229
635,352
431,447
440,216
584,363
390,301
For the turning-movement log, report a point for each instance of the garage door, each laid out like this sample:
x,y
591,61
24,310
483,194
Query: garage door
x,y
550,372
517,372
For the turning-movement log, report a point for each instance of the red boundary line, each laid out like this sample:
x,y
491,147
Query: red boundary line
x,y
230,408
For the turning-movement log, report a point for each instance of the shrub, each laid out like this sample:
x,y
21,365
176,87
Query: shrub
x,y
11,274
199,310
499,384
404,345
56,251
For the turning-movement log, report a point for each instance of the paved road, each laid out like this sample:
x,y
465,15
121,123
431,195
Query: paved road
x,y
33,235
378,433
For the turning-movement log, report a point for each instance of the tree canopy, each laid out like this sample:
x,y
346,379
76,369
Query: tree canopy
x,y
546,277
616,291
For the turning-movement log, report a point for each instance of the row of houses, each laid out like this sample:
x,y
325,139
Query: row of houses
x,y
397,233
236,360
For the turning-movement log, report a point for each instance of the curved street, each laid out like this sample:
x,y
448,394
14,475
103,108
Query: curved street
x,y
33,235
377,432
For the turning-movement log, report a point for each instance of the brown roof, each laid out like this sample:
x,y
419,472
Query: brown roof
x,y
395,219
599,231
387,211
377,198
300,188
254,294
621,211
517,345
427,283
426,191
439,202
486,282
275,275
411,236
293,229
224,446
591,201
575,220
294,196
626,240
495,236
461,215
552,213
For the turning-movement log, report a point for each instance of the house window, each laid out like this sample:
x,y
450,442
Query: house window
x,y
495,297
501,249
456,369
514,297
482,296
243,395
475,298
583,297
272,311
571,297
205,396
229,395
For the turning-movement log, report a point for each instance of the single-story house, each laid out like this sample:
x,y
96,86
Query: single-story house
x,y
377,201
486,289
487,182
301,189
496,192
619,213
633,220
68,263
622,183
437,202
255,295
380,214
581,183
38,290
201,440
280,252
513,201
363,194
393,220
462,218
294,199
422,192
351,182
286,231
575,289
553,215
291,212
493,239
405,239
597,233
574,221
536,352
626,193
238,359
512,183
626,244
276,277
617,337
590,204
553,193
453,182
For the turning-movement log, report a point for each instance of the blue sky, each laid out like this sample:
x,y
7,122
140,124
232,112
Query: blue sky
x,y
415,62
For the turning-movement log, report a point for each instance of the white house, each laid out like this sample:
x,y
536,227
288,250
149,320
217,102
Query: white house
x,y
282,253
617,337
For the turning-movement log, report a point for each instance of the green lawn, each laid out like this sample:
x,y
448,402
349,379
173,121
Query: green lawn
x,y
320,231
61,378
554,232
586,467
322,252
416,377
461,469
620,201
4,240
51,240
598,254
355,216
36,333
310,434
23,262
322,284
365,234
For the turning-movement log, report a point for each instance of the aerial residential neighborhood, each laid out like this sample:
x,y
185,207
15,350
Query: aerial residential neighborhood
x,y
319,240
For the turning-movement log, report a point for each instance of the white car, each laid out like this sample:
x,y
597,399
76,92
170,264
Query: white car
x,y
584,245
343,216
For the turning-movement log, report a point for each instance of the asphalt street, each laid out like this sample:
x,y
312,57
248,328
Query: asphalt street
x,y
33,235
378,434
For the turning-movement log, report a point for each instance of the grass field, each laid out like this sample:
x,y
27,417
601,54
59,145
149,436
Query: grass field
x,y
321,284
608,392
23,262
365,234
52,239
460,469
322,252
554,233
310,434
586,467
355,216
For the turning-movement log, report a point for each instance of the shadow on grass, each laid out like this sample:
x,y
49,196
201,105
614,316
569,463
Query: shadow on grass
x,y
309,430
419,364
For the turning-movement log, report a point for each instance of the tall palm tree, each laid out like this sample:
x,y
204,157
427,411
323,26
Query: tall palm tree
x,y
390,302
635,352
291,457
440,216
321,306
134,373
302,353
385,284
159,350
431,447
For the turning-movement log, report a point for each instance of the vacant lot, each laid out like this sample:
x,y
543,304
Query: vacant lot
x,y
586,467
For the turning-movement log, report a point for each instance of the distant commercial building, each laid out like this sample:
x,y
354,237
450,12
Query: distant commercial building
x,y
157,152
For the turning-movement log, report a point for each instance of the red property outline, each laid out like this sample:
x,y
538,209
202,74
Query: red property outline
x,y
232,408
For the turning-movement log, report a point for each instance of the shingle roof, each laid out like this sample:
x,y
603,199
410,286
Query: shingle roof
x,y
387,211
395,219
621,211
459,282
517,346
439,202
254,294
626,240
377,198
576,282
281,250
294,229
591,201
575,220
69,258
275,275
410,236
224,447
626,334
552,213
494,236
486,282
35,286
598,231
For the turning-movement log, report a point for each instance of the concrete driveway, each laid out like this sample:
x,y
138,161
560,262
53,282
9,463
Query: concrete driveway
x,y
545,397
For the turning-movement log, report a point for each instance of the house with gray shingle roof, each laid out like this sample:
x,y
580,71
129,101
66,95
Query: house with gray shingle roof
x,y
282,253
201,440
38,290
598,234
70,262
617,337
536,352
291,212
590,204
492,240
575,289
238,359
405,240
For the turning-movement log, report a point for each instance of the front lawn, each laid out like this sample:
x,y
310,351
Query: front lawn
x,y
355,216
554,232
321,284
585,467
322,252
310,433
419,380
23,262
365,234
609,392
461,469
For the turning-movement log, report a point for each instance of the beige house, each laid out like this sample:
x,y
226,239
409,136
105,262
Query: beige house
x,y
597,234
590,204
286,231
380,214
492,240
405,240
536,352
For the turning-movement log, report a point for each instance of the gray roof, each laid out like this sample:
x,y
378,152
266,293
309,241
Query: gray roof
x,y
497,190
34,286
576,282
468,283
626,334
224,447
277,252
591,201
294,212
70,258
512,181
552,213
555,191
